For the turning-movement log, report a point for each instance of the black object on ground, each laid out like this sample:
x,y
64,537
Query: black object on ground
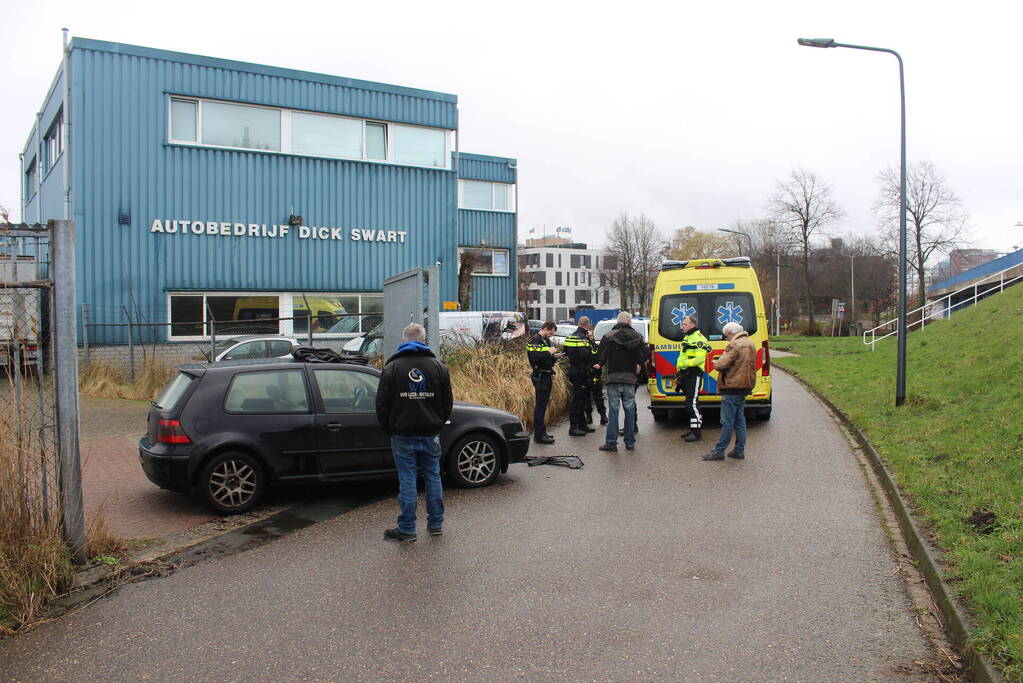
x,y
573,462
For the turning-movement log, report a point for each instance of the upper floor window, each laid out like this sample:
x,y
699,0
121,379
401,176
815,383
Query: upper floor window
x,y
487,261
53,142
478,194
272,129
30,179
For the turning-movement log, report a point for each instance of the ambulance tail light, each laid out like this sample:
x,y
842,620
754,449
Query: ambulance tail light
x,y
170,431
766,368
651,364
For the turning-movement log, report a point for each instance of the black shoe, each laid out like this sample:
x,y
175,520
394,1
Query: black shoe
x,y
714,455
575,431
735,454
436,532
603,419
630,446
693,435
588,429
609,448
543,438
398,535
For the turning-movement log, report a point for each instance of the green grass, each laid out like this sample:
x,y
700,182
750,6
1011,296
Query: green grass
x,y
955,447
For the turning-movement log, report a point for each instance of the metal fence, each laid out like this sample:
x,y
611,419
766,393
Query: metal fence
x,y
39,459
208,339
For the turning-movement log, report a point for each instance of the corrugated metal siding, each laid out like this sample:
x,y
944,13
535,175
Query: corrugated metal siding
x,y
493,229
480,167
122,163
52,189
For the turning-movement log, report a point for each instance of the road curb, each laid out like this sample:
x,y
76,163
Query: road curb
x,y
956,623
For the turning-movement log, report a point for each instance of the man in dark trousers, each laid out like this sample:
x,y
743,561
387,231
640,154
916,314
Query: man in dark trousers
x,y
596,387
542,359
580,358
413,403
689,371
621,352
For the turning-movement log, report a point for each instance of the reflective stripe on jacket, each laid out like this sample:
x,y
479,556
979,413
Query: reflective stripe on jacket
x,y
539,353
695,348
577,348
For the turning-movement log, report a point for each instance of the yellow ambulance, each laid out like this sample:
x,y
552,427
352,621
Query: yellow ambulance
x,y
717,292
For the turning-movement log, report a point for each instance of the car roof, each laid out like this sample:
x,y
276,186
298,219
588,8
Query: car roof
x,y
278,363
250,337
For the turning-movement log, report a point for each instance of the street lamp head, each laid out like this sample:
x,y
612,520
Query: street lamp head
x,y
817,42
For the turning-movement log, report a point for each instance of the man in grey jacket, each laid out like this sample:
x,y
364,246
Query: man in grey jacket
x,y
621,353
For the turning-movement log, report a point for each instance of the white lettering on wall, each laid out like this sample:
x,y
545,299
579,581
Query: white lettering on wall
x,y
321,233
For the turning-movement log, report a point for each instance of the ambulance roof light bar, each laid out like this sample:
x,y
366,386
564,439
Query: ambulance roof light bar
x,y
738,262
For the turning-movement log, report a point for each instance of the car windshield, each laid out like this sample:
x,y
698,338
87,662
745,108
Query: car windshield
x,y
605,326
564,330
713,310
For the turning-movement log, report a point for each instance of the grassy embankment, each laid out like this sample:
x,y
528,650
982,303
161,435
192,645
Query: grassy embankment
x,y
955,447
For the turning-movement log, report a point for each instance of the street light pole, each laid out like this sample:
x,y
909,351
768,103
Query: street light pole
x,y
749,239
900,370
852,293
777,293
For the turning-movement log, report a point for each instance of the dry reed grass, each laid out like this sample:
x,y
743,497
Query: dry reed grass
x,y
103,380
497,375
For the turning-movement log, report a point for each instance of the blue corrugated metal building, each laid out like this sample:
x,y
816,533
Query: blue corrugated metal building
x,y
208,188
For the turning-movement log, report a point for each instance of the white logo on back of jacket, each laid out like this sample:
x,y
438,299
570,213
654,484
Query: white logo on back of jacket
x,y
417,387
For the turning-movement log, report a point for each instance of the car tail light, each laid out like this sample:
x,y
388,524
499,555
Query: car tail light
x,y
766,368
652,364
171,432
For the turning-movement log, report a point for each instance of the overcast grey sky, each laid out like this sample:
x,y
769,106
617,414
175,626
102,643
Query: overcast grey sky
x,y
689,112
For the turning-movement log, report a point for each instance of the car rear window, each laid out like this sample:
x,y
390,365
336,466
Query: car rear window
x,y
267,391
172,393
713,311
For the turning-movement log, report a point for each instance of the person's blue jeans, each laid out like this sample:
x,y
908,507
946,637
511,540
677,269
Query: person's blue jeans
x,y
733,417
626,393
420,454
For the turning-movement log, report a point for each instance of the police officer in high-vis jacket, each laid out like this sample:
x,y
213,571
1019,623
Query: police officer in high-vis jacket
x,y
689,371
580,358
542,359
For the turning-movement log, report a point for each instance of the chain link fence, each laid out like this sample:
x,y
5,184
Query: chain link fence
x,y
28,440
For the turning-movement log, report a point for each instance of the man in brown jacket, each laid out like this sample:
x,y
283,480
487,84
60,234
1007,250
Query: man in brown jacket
x,y
737,374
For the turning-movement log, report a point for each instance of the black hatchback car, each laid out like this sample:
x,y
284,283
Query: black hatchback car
x,y
233,428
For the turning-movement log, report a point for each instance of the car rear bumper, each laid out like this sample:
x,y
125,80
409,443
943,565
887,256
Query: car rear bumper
x,y
750,403
166,471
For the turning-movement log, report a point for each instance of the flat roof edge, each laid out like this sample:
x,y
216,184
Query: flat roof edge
x,y
487,157
248,67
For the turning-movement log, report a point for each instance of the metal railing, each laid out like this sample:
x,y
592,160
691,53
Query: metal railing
x,y
944,307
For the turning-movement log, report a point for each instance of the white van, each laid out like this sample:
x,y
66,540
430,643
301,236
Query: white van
x,y
460,327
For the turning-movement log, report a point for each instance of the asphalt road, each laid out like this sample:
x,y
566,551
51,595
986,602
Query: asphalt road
x,y
649,564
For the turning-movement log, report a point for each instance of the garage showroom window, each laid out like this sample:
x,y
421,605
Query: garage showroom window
x,y
487,261
477,194
271,129
200,315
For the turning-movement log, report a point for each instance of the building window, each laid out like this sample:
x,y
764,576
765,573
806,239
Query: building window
x,y
238,125
203,314
607,295
550,296
30,179
582,296
330,136
419,146
490,261
549,260
557,278
184,118
561,296
478,194
576,261
53,142
272,129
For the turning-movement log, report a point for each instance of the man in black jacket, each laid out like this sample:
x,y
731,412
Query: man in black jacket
x,y
542,359
621,353
580,370
413,403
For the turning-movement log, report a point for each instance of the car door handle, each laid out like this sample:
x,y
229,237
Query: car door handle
x,y
332,426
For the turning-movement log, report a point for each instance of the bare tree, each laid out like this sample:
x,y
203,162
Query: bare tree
x,y
637,248
935,221
802,206
467,264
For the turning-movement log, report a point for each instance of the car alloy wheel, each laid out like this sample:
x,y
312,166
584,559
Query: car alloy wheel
x,y
474,461
232,482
